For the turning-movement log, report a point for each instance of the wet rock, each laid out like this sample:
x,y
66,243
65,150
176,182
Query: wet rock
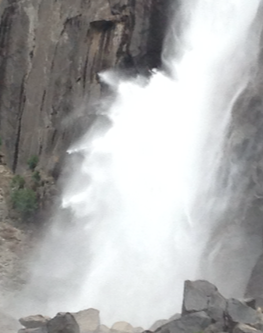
x,y
243,328
251,302
34,321
189,323
175,316
162,322
239,312
158,324
215,328
88,320
203,296
63,323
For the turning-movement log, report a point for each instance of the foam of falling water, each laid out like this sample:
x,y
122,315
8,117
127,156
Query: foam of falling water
x,y
130,230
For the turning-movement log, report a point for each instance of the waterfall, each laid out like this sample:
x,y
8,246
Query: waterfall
x,y
141,201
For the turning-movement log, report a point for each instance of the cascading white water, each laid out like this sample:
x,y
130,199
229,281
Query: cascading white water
x,y
135,215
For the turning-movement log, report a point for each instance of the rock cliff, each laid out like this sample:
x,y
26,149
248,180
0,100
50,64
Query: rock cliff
x,y
50,55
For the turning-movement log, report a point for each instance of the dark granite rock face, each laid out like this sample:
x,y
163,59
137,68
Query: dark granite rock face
x,y
50,55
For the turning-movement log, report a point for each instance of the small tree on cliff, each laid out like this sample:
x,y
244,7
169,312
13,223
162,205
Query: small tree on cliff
x,y
32,162
24,201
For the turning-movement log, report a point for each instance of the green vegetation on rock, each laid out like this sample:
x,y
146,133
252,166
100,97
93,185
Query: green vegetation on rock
x,y
24,200
17,182
32,162
36,177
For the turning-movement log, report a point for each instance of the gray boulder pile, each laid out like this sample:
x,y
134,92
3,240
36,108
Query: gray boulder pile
x,y
204,310
86,321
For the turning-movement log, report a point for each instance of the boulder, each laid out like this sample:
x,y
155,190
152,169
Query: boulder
x,y
162,322
138,330
122,326
215,328
158,324
243,328
203,296
216,306
191,323
34,321
42,329
175,316
63,323
88,320
239,312
251,302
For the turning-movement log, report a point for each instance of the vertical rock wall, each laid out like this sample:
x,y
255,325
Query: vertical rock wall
x,y
50,55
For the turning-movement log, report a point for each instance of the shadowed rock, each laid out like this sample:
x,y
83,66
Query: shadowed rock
x,y
190,323
63,323
215,328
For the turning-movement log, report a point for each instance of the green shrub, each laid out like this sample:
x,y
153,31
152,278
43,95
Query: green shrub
x,y
24,200
36,176
1,142
17,182
32,162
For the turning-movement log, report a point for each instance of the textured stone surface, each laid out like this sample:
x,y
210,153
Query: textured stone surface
x,y
239,312
203,296
63,323
158,324
192,323
88,320
34,321
242,328
50,54
215,328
